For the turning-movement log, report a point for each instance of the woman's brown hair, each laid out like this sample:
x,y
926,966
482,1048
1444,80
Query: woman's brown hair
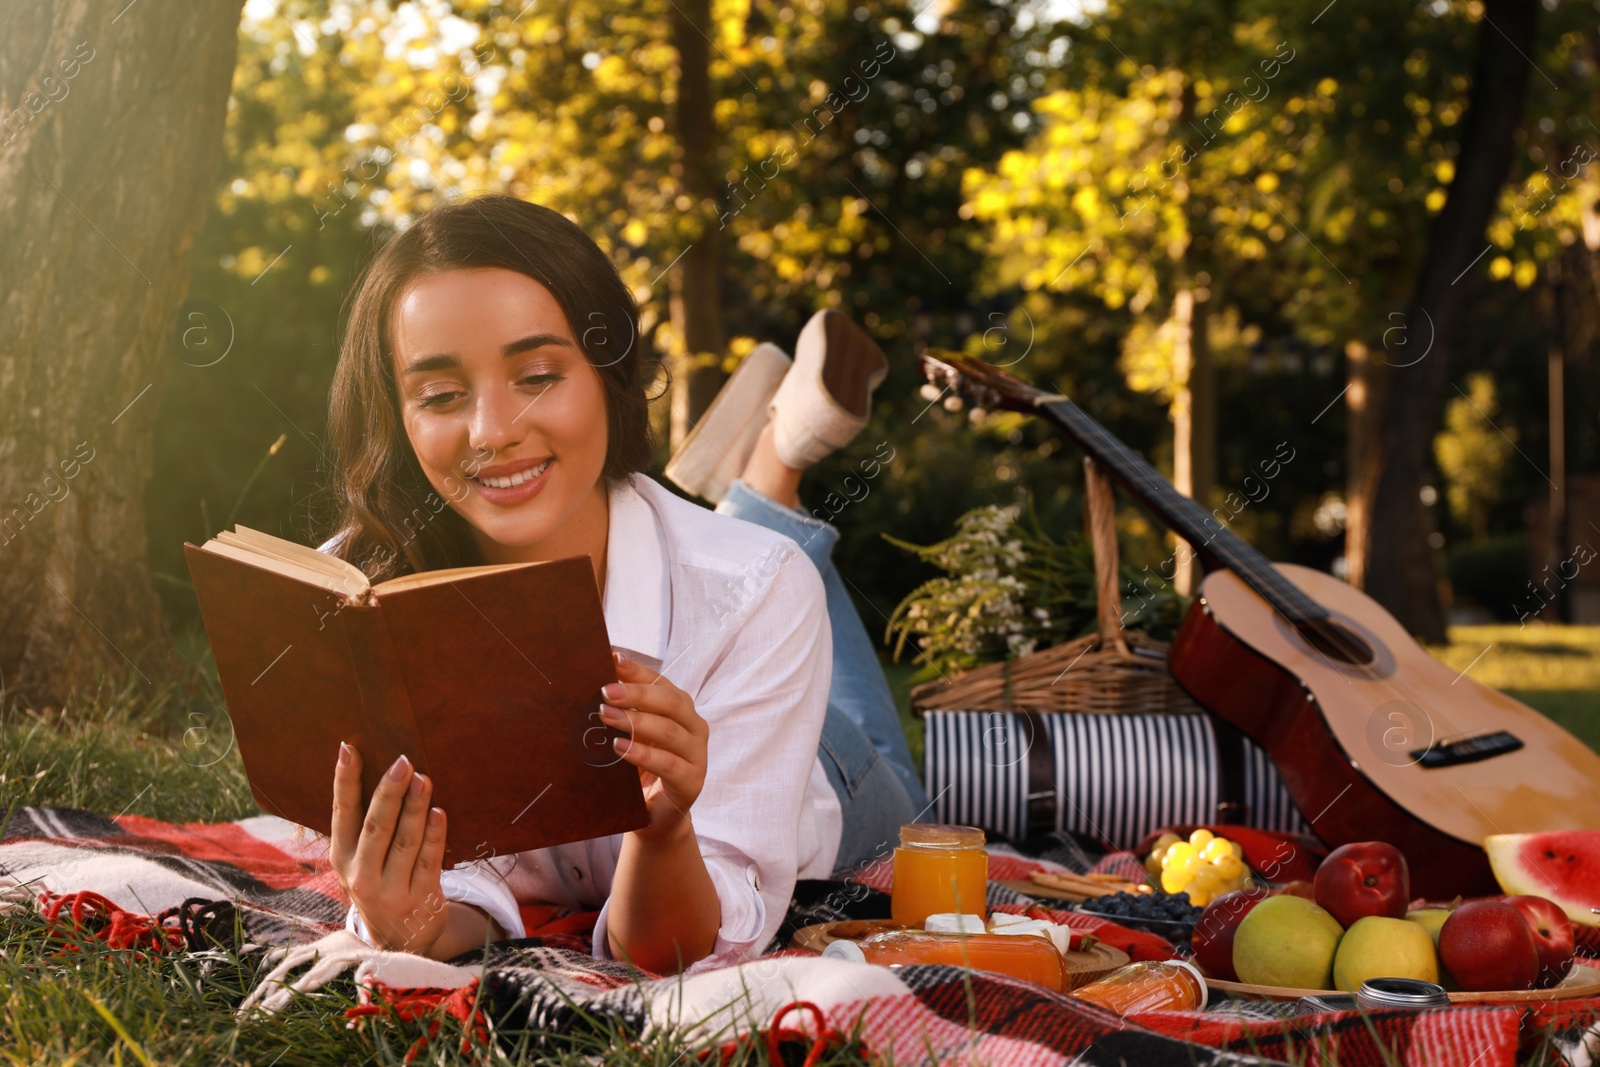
x,y
389,520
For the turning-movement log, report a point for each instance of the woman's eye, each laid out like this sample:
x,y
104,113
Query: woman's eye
x,y
436,399
541,379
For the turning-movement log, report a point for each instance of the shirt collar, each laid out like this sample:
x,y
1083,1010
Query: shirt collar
x,y
638,594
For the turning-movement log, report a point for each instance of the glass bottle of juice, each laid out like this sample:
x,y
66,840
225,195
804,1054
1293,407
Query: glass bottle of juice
x,y
1024,956
1155,985
937,869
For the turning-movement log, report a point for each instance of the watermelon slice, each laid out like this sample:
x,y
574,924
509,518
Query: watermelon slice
x,y
1562,866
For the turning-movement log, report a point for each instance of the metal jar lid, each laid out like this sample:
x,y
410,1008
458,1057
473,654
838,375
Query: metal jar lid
x,y
1403,994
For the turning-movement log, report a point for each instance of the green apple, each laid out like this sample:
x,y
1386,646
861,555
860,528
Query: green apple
x,y
1380,947
1287,941
1431,919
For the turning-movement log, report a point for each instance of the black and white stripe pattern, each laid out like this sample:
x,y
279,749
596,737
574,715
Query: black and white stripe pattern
x,y
1117,776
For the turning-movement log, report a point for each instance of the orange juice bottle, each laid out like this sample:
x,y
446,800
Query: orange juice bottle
x,y
1155,985
938,869
1032,959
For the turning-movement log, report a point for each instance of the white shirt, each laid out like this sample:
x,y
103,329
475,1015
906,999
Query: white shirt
x,y
733,614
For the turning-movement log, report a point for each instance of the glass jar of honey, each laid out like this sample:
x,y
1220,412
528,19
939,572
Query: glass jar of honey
x,y
937,869
1030,958
1155,985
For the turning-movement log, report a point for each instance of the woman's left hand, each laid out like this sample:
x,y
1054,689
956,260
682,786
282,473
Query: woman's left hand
x,y
667,742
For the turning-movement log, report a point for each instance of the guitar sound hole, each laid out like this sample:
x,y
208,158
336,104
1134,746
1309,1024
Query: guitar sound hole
x,y
1336,641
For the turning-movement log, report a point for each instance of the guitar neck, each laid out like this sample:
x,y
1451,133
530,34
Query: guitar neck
x,y
1209,537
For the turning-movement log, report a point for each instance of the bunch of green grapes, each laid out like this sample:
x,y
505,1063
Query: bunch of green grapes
x,y
1205,866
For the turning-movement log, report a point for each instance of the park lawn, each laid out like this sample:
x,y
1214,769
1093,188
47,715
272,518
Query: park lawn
x,y
131,751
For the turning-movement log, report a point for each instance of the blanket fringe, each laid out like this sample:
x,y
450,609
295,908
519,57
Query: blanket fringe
x,y
825,1039
94,915
409,1005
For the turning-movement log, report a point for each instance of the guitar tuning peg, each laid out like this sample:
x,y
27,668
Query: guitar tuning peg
x,y
929,392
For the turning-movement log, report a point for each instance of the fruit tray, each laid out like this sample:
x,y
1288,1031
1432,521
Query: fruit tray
x,y
1582,982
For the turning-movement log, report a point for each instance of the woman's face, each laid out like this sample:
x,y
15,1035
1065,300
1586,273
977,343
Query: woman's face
x,y
507,416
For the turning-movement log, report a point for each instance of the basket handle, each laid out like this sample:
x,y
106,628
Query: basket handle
x,y
1100,516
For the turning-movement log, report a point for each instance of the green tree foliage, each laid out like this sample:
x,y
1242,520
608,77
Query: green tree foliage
x,y
1474,453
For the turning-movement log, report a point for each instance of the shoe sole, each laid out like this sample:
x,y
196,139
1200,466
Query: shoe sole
x,y
853,365
718,446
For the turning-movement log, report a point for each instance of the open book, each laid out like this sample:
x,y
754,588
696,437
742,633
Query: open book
x,y
487,678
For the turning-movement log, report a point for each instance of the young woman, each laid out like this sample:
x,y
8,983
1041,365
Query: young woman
x,y
491,367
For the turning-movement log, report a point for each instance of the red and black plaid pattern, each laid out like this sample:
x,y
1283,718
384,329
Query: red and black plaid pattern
x,y
166,887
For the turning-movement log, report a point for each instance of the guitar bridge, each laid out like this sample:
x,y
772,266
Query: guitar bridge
x,y
1467,749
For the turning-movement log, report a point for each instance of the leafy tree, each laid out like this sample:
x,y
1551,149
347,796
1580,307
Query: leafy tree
x,y
1473,453
109,150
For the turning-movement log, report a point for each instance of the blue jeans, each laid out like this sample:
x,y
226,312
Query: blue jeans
x,y
863,747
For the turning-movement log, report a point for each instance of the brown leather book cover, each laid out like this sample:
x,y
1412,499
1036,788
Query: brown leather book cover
x,y
488,682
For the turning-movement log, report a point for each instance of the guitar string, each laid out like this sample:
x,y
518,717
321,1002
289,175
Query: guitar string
x,y
1236,554
1235,558
1157,488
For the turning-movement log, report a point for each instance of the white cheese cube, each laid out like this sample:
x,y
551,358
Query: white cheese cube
x,y
952,923
1031,926
1061,936
1005,918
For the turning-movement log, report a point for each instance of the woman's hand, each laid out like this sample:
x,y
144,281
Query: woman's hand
x,y
389,862
667,742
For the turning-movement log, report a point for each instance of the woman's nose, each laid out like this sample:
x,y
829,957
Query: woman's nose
x,y
497,422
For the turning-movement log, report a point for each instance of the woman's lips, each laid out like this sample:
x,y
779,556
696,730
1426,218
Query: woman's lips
x,y
516,494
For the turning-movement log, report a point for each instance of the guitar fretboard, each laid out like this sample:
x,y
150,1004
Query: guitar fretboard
x,y
1207,534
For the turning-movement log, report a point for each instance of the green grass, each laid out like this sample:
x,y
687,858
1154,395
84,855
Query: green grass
x,y
166,753
1553,669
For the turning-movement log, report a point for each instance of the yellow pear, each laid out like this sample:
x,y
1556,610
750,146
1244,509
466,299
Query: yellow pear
x,y
1431,919
1379,947
1287,941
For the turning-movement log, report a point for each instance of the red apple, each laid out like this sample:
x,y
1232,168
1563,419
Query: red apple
x,y
1486,951
1361,879
1553,937
1213,934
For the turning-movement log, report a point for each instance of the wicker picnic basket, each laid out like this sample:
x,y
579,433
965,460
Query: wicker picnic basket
x,y
1115,671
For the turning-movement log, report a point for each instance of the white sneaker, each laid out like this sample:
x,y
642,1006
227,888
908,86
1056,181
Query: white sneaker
x,y
825,400
716,450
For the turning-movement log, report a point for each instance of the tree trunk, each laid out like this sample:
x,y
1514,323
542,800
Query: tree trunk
x,y
111,120
1194,408
1363,398
1400,571
696,305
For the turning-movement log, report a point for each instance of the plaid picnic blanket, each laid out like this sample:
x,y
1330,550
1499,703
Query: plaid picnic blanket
x,y
151,886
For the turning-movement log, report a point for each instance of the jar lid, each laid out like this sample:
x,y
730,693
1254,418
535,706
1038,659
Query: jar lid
x,y
940,835
1403,993
1200,980
844,950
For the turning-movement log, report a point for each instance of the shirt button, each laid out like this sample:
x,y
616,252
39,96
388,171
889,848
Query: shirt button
x,y
577,875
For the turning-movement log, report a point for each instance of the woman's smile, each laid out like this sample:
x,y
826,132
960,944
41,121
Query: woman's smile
x,y
507,484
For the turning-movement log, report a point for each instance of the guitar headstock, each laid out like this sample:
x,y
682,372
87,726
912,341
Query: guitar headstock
x,y
981,384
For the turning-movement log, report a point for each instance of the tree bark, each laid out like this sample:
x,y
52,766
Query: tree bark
x,y
1194,407
1399,570
1364,397
111,121
696,305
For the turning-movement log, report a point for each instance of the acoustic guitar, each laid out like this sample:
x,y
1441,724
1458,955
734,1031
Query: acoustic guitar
x,y
1375,739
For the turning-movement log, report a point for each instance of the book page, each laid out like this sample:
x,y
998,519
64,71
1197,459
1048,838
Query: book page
x,y
287,557
413,581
